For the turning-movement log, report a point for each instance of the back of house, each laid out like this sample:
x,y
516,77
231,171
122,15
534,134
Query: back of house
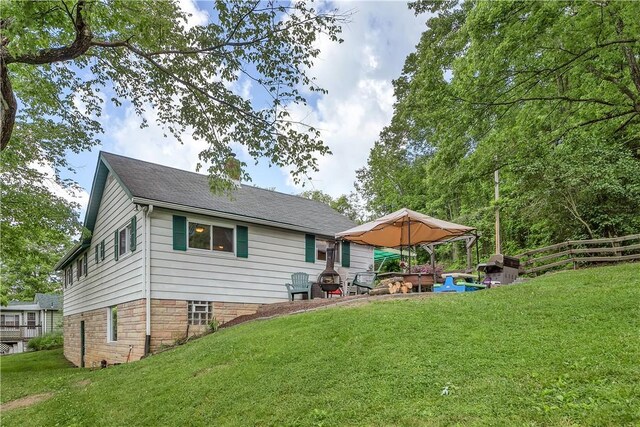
x,y
166,256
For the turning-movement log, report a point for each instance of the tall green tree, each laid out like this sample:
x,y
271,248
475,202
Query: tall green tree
x,y
58,57
36,229
62,61
546,92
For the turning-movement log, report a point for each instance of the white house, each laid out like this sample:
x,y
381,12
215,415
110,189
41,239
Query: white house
x,y
22,320
166,255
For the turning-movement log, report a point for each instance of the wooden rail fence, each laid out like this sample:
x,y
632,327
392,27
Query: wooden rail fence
x,y
574,252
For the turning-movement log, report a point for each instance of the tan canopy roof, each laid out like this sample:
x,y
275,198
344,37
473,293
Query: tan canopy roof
x,y
403,228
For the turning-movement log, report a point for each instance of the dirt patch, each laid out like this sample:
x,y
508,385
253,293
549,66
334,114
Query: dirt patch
x,y
26,401
268,311
83,383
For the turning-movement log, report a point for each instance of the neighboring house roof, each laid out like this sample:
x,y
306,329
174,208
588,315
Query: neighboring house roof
x,y
150,183
40,302
49,301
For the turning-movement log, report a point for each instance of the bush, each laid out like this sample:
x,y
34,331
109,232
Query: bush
x,y
47,341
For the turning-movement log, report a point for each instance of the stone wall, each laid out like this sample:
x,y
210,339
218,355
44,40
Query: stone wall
x,y
169,322
226,311
131,335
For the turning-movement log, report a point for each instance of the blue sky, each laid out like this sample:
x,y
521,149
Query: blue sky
x,y
357,74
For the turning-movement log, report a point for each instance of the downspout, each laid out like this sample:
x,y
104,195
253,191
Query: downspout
x,y
146,218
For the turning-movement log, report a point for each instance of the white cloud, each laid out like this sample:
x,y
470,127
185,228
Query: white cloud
x,y
80,196
197,15
358,75
151,145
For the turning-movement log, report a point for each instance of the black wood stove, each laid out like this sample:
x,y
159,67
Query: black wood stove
x,y
329,279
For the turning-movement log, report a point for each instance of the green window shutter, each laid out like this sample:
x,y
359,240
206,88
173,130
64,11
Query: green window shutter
x,y
179,233
85,262
97,250
346,254
134,233
102,250
242,241
310,248
115,245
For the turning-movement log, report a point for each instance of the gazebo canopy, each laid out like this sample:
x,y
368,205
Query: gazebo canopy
x,y
404,228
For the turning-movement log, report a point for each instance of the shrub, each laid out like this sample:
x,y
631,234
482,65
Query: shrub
x,y
214,325
427,269
47,341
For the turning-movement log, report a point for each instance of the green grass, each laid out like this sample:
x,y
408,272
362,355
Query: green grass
x,y
560,350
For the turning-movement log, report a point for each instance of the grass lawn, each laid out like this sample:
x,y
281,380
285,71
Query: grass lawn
x,y
559,350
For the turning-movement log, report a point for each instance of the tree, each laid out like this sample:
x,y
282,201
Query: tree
x,y
57,58
36,229
546,92
62,61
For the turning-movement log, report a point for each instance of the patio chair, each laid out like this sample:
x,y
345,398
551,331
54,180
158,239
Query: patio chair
x,y
300,284
364,281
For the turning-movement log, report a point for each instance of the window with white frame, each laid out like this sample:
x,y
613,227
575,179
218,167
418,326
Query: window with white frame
x,y
124,240
9,320
69,275
79,264
112,324
200,312
321,250
210,237
31,319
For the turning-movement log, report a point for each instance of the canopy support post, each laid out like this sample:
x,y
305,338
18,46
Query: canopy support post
x,y
469,246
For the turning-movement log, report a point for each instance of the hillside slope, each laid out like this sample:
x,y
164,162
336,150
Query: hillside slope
x,y
559,350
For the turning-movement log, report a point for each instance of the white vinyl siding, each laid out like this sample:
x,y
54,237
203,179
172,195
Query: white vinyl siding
x,y
109,282
200,275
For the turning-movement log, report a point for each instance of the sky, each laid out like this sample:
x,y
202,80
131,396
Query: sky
x,y
357,73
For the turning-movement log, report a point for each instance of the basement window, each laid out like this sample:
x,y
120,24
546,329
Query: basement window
x,y
112,324
200,312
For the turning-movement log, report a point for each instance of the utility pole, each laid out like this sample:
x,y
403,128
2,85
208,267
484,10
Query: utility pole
x,y
496,181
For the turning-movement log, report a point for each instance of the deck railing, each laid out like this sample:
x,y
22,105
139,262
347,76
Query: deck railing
x,y
572,253
21,332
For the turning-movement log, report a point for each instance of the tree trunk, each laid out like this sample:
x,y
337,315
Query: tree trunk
x,y
8,105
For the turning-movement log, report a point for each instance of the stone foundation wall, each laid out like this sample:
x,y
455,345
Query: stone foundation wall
x,y
225,311
169,322
131,335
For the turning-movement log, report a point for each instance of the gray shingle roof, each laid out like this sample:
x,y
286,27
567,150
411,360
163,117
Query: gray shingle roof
x,y
49,301
165,184
44,301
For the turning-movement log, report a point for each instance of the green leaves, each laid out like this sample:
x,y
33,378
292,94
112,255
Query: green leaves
x,y
544,91
147,54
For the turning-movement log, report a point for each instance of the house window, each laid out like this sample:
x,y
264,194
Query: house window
x,y
10,320
321,250
199,312
210,237
31,320
70,275
223,239
112,324
199,236
79,264
124,240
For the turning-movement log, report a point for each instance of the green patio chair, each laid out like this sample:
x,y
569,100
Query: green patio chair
x,y
300,284
365,280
